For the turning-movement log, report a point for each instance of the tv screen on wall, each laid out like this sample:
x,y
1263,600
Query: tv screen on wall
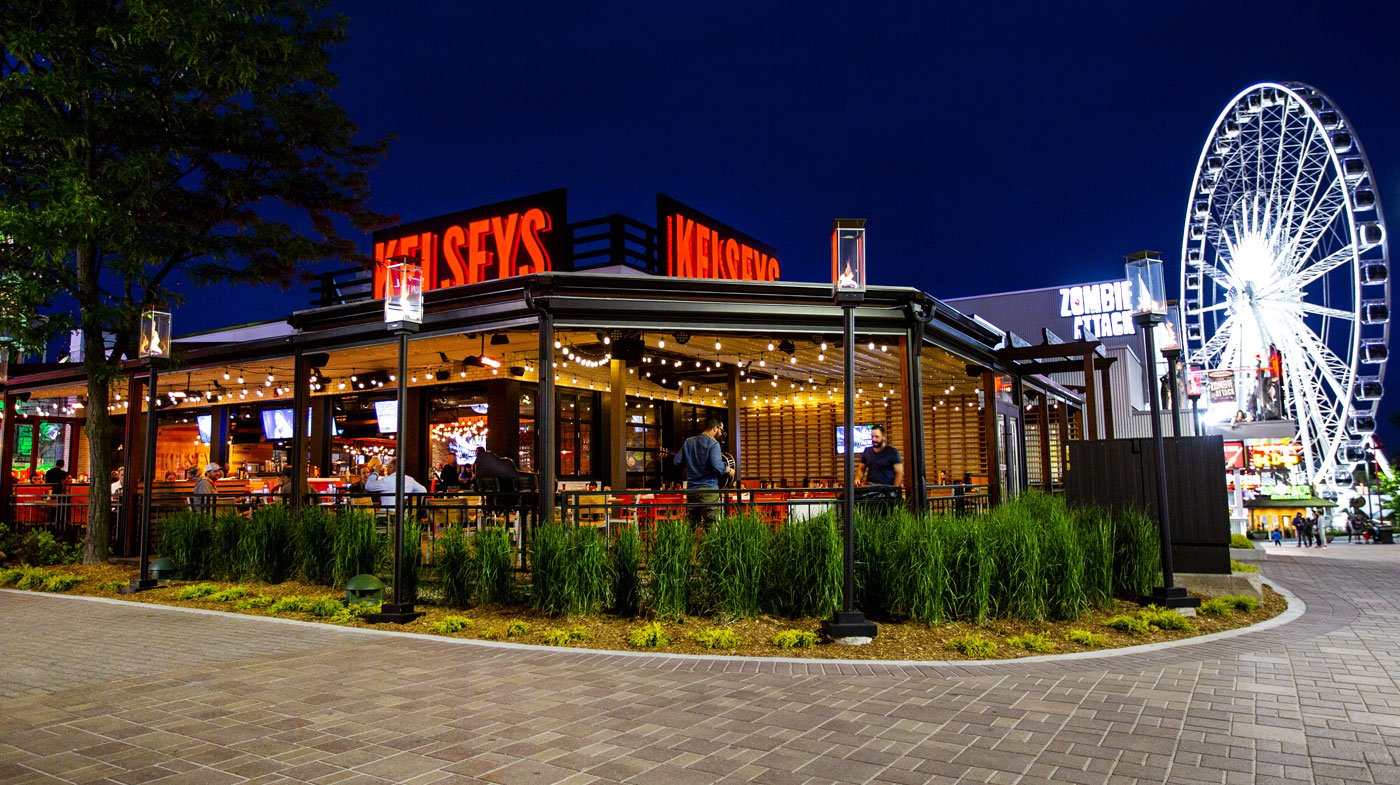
x,y
387,412
862,433
277,424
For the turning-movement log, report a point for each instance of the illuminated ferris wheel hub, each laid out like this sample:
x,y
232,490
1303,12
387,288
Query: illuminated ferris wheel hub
x,y
1285,285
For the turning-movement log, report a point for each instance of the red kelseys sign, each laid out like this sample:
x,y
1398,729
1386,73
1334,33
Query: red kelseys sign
x,y
502,240
695,245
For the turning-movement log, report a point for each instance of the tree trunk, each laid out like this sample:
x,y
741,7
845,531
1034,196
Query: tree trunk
x,y
99,433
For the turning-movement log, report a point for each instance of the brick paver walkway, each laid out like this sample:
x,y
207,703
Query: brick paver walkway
x,y
116,693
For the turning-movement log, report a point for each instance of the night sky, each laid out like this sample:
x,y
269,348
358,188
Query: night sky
x,y
992,146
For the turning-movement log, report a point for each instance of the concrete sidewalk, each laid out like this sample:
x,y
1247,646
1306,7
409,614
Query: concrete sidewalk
x,y
122,693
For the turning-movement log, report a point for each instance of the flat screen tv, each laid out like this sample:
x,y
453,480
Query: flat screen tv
x,y
277,424
205,423
388,414
862,433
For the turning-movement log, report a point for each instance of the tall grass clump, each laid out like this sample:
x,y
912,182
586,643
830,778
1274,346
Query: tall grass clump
x,y
920,587
266,545
1136,556
970,566
410,556
669,561
1065,565
626,571
569,570
875,535
1095,533
187,538
227,560
1018,550
356,546
732,561
492,557
805,571
453,561
313,542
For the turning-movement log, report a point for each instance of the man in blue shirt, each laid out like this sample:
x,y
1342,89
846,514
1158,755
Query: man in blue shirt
x,y
704,465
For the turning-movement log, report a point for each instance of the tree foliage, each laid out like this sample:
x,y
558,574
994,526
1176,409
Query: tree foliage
x,y
146,140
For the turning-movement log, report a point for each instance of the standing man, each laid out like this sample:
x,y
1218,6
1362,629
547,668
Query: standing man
x,y
880,463
704,464
206,494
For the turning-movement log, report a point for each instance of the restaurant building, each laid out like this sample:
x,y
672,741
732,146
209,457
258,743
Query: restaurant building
x,y
585,353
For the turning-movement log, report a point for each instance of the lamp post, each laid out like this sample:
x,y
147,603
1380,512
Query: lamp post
x,y
1144,270
848,625
1193,392
154,344
1171,351
403,314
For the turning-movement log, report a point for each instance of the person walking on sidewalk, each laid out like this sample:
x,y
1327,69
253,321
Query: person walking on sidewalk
x,y
1300,530
1277,535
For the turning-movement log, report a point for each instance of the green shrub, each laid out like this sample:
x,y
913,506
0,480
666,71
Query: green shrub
x,y
670,567
492,558
1136,553
1243,602
1086,638
570,571
112,587
1126,623
1218,606
626,572
349,613
874,537
293,604
919,586
732,561
795,639
718,638
516,629
971,567
453,561
411,554
42,548
356,547
1237,566
559,637
195,592
32,578
451,624
267,545
227,560
324,606
61,581
253,603
804,571
10,575
1095,533
1164,619
1018,550
1238,540
1032,641
313,544
652,636
187,538
974,646
231,593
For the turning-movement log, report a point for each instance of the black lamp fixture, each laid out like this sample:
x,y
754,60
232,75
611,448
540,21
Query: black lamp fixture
x,y
682,337
787,346
500,339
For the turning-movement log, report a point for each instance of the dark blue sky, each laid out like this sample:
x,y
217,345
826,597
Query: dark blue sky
x,y
992,146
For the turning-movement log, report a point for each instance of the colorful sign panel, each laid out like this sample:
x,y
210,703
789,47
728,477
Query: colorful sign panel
x,y
1274,453
502,240
694,245
1099,310
1234,455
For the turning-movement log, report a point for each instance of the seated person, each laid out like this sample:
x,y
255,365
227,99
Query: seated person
x,y
386,484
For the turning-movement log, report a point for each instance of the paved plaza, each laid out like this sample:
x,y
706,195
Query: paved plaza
x,y
107,692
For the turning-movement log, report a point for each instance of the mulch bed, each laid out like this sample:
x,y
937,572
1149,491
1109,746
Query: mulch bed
x,y
897,640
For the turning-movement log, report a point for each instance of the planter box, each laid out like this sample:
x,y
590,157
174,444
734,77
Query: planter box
x,y
1249,555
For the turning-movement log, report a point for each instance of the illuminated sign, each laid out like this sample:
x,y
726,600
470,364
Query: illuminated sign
x,y
1221,385
695,245
1286,491
502,240
1275,454
1234,455
1099,310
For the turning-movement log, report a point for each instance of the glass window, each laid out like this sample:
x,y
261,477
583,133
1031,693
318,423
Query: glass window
x,y
576,429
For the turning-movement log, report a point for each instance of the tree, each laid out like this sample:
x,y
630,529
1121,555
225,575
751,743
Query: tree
x,y
143,140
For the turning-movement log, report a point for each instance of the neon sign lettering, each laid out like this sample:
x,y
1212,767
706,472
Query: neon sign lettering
x,y
697,246
1099,310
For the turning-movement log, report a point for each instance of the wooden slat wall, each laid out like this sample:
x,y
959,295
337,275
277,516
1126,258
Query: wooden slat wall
x,y
953,439
786,443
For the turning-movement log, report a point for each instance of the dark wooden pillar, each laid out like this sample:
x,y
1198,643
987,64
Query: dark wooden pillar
x,y
1020,470
616,418
1046,477
218,436
414,461
503,418
989,436
1063,456
1107,396
1091,409
547,456
301,398
322,428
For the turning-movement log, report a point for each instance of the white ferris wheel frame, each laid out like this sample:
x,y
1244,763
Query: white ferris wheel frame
x,y
1248,259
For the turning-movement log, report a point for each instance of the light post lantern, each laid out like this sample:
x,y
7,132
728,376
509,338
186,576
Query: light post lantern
x,y
1170,332
403,315
848,625
153,343
1144,271
1193,392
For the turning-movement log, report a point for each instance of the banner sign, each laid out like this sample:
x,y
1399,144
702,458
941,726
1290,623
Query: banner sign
x,y
1221,385
694,245
1099,310
502,240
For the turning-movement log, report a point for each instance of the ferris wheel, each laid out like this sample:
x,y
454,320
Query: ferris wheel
x,y
1285,293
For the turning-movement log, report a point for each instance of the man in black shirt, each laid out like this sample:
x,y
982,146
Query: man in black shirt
x,y
880,463
56,477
